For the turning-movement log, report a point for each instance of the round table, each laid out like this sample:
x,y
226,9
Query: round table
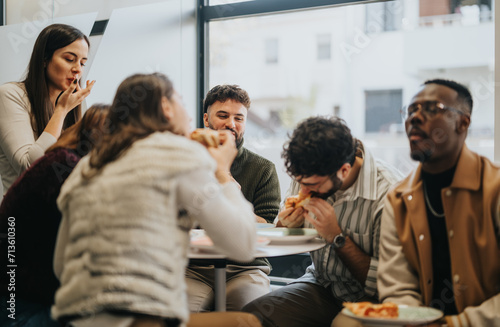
x,y
270,250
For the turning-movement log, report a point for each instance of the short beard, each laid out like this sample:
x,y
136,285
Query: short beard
x,y
421,156
238,140
337,184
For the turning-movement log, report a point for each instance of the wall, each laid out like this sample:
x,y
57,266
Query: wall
x,y
142,36
21,11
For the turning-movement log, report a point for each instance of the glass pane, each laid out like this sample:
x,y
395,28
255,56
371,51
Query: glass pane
x,y
380,54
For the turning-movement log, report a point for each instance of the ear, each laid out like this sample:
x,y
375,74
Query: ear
x,y
167,108
463,124
343,172
205,119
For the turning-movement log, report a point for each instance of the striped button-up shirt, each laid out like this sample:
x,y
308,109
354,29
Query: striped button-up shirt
x,y
358,210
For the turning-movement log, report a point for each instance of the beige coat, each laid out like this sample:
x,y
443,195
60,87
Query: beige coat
x,y
472,213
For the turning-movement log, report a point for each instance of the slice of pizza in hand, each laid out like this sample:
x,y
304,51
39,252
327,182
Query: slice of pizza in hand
x,y
208,137
297,201
368,309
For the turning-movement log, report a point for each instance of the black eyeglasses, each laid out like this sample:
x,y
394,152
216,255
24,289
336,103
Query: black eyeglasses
x,y
429,109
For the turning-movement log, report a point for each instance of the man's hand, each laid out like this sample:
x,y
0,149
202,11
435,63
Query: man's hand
x,y
326,220
291,217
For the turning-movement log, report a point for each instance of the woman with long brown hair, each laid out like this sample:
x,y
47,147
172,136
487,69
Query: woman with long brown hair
x,y
128,208
30,206
34,112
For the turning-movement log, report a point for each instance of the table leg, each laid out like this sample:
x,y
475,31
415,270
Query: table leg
x,y
220,285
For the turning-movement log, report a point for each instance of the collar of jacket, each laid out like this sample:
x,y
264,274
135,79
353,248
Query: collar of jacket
x,y
468,172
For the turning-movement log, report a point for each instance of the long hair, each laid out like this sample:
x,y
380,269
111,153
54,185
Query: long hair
x,y
136,113
86,133
50,39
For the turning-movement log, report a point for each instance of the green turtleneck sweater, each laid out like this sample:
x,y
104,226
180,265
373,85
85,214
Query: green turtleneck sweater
x,y
259,182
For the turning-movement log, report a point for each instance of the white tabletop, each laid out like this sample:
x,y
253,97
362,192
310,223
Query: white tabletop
x,y
268,251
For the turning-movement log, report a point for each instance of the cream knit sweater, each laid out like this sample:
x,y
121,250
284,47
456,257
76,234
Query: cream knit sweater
x,y
123,240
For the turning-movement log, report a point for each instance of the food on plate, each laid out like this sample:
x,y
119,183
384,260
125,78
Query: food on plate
x,y
199,239
367,309
297,200
207,137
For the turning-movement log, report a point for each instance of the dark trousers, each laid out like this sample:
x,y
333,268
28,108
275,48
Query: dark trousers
x,y
296,305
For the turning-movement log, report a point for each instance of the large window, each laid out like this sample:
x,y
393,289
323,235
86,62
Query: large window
x,y
379,55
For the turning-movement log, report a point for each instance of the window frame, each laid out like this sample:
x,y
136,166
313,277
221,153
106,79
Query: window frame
x,y
206,14
3,13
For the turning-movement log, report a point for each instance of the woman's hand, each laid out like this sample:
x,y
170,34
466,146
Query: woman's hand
x,y
72,96
69,99
224,156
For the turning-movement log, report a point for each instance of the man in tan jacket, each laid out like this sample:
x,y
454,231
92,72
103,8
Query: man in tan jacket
x,y
440,230
440,237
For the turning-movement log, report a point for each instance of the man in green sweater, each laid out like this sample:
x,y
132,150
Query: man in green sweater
x,y
226,107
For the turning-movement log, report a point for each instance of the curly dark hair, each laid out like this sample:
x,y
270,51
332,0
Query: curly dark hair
x,y
225,92
464,95
319,146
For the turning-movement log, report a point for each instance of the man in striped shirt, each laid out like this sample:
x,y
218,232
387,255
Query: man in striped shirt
x,y
348,187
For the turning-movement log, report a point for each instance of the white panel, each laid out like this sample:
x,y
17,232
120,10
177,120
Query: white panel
x,y
17,42
19,11
145,39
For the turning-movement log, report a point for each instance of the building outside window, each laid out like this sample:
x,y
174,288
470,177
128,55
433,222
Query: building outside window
x,y
377,62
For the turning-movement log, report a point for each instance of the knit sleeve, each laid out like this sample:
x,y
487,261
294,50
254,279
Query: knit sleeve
x,y
222,211
16,133
267,195
486,314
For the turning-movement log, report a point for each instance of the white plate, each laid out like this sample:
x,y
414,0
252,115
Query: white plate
x,y
282,235
201,242
263,225
407,316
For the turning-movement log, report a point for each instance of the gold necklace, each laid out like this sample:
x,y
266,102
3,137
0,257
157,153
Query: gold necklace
x,y
428,202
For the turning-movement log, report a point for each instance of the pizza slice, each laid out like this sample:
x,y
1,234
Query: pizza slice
x,y
368,309
207,137
297,201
